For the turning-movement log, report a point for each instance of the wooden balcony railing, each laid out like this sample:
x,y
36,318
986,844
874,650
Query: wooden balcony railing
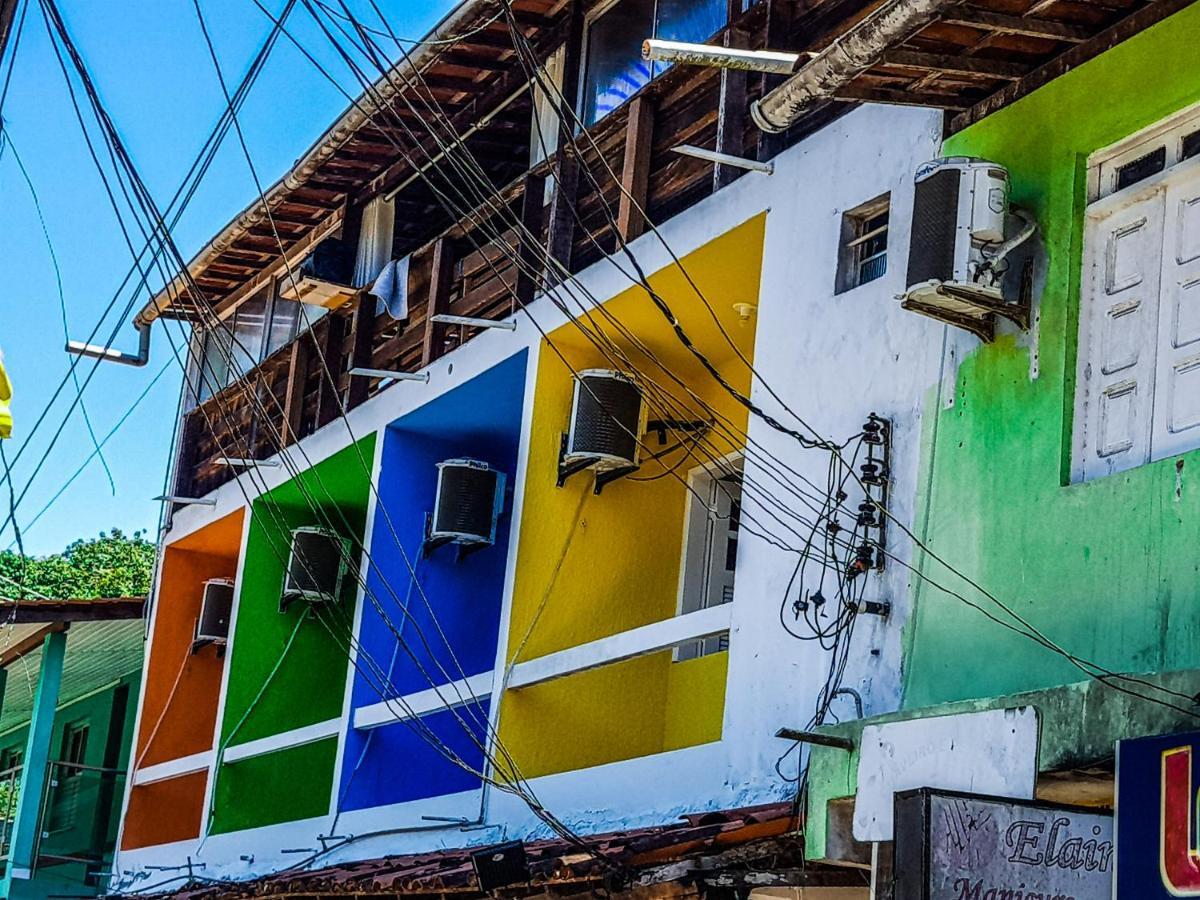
x,y
471,269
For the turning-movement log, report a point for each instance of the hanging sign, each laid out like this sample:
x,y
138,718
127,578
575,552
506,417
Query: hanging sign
x,y
1158,849
952,846
993,752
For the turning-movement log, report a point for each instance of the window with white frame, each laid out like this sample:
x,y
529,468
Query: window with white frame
x,y
862,251
710,547
1138,376
613,66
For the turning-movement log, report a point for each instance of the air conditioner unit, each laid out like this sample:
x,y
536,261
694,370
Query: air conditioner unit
x,y
956,261
216,608
317,567
323,279
607,422
470,498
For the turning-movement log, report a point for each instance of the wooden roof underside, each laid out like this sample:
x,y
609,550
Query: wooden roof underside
x,y
467,80
981,55
977,57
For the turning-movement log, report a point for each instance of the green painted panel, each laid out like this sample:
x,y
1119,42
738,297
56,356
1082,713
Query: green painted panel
x,y
278,787
1108,568
267,696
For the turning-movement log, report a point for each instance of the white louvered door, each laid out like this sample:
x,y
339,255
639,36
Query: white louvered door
x,y
1176,424
1119,301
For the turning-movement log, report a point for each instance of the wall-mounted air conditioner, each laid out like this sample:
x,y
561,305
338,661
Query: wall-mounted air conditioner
x,y
470,498
324,278
958,256
607,421
216,609
317,566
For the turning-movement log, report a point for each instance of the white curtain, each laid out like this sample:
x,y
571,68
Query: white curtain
x,y
375,241
544,137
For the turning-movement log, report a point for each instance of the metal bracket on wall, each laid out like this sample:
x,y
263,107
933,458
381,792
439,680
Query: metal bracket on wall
x,y
812,737
200,643
972,310
429,544
603,478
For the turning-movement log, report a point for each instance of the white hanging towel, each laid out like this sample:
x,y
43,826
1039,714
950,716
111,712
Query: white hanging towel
x,y
391,288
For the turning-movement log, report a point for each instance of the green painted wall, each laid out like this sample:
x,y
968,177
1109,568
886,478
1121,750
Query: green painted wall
x,y
278,787
308,685
1108,568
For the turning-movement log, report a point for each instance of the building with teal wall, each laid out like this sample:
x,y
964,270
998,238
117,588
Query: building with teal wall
x,y
71,763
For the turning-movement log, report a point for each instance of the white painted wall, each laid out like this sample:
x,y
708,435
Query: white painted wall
x,y
835,358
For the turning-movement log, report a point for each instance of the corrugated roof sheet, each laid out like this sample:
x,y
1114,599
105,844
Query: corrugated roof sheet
x,y
98,653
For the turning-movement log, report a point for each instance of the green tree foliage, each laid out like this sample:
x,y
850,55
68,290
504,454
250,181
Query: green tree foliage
x,y
112,565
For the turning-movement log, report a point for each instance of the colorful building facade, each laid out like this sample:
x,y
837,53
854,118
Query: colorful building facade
x,y
846,520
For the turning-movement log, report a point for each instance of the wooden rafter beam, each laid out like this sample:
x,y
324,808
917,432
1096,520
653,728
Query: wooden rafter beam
x,y
29,643
102,610
856,94
955,65
1151,14
1048,29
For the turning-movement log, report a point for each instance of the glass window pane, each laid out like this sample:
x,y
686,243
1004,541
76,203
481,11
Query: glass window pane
x,y
214,362
249,322
284,316
615,69
692,21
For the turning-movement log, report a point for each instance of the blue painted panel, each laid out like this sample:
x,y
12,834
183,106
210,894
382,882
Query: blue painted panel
x,y
448,618
398,763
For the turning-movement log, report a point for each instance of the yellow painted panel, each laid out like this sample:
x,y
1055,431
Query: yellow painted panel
x,y
695,701
593,566
587,719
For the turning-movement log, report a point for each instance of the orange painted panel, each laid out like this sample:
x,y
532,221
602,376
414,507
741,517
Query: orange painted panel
x,y
165,811
179,712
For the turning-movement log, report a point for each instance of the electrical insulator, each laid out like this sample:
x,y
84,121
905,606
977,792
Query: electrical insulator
x,y
866,515
874,430
873,474
872,608
864,561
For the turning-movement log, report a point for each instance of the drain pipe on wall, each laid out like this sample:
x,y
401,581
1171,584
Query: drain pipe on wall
x,y
833,68
106,353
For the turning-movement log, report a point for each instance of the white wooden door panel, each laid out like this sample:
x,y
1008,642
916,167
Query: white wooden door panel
x,y
1176,425
1123,252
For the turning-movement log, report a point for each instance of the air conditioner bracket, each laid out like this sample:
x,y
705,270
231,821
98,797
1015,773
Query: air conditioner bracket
x,y
431,543
662,426
566,470
200,643
608,476
971,310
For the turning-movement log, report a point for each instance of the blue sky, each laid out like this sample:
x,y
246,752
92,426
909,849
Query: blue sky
x,y
156,79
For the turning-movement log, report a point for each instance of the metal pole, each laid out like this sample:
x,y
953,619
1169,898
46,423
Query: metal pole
x,y
26,822
770,61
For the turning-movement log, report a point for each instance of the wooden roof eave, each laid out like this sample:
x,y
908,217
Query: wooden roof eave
x,y
465,16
